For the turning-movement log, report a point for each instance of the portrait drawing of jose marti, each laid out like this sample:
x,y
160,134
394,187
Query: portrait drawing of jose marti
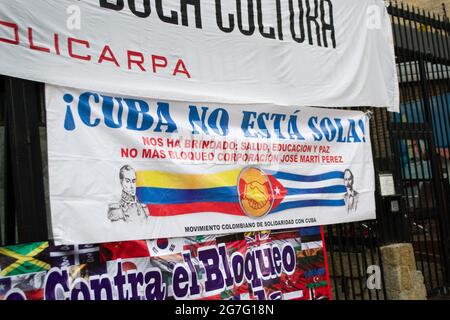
x,y
351,196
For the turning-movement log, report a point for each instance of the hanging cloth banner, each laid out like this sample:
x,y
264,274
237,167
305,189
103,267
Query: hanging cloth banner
x,y
286,265
123,168
331,53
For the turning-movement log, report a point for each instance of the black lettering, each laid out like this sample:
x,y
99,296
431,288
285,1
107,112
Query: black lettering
x,y
301,38
313,19
173,18
328,26
251,17
198,16
147,9
279,21
220,20
271,33
118,5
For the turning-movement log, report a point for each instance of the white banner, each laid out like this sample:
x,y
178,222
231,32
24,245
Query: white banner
x,y
124,168
288,52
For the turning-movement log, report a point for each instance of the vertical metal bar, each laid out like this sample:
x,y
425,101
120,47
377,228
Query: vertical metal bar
x,y
415,112
420,174
444,102
430,205
436,118
441,214
364,253
375,250
378,165
380,263
25,160
341,262
444,32
331,250
349,257
10,217
3,160
399,169
411,121
432,173
358,264
445,78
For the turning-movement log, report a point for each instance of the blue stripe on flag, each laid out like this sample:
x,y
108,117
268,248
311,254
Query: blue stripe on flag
x,y
149,195
330,189
304,178
309,231
315,272
309,203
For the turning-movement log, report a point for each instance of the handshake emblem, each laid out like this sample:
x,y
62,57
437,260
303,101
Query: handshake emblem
x,y
255,192
256,195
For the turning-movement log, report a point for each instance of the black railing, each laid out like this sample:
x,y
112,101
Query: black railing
x,y
414,147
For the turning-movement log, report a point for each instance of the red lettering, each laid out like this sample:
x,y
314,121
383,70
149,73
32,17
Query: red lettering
x,y
32,45
13,26
139,62
56,37
110,58
181,68
155,64
71,41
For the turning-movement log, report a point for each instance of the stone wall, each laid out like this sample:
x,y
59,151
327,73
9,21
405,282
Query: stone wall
x,y
402,279
349,274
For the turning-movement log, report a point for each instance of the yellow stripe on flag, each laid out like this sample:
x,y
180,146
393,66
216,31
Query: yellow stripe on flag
x,y
24,258
169,180
42,247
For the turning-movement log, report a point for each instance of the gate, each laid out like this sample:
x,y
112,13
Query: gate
x,y
414,147
420,136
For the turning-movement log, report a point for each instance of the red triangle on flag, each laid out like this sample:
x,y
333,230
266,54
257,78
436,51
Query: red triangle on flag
x,y
279,191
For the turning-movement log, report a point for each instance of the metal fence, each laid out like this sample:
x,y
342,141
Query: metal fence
x,y
420,136
412,145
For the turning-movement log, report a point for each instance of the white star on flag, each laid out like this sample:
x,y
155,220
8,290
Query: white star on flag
x,y
277,191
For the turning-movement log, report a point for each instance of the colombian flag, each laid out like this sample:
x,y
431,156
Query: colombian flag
x,y
169,194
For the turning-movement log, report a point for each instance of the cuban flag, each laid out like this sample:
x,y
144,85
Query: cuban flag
x,y
301,191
